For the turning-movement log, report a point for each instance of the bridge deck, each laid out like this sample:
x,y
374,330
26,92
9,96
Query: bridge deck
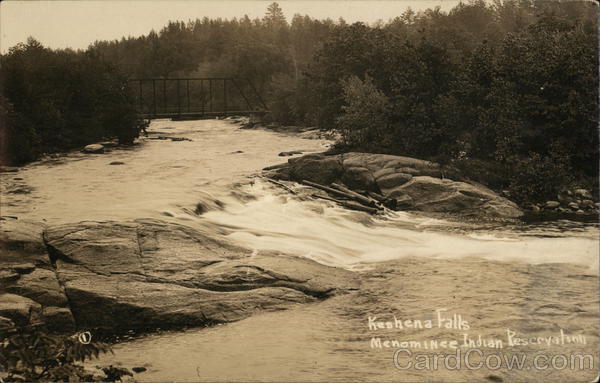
x,y
191,115
196,97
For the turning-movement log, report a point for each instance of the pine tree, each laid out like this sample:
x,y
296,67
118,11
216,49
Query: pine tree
x,y
274,16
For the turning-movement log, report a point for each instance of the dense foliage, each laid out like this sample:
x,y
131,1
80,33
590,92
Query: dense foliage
x,y
59,100
505,89
512,86
30,354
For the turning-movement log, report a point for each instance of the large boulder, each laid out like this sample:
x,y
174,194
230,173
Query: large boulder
x,y
93,149
364,169
443,195
405,183
147,274
26,271
21,243
19,310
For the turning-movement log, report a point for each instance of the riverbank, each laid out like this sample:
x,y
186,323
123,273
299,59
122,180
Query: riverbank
x,y
573,202
495,275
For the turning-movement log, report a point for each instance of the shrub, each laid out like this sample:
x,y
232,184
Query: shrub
x,y
363,124
29,354
539,178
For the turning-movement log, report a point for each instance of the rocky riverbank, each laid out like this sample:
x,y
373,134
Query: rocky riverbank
x,y
132,274
577,201
141,275
400,183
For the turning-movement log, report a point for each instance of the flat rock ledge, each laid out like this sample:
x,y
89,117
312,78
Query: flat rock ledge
x,y
146,274
404,183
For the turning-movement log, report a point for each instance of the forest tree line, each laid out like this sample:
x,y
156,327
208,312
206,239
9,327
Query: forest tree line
x,y
506,90
57,100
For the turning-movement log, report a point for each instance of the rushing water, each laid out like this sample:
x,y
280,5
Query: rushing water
x,y
535,278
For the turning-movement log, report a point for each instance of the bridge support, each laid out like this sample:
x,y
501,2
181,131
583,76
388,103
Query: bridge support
x,y
257,117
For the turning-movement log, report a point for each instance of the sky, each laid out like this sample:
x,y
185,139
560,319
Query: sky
x,y
76,24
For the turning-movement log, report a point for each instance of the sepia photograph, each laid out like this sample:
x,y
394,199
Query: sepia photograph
x,y
299,191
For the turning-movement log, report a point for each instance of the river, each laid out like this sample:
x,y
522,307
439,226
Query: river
x,y
536,280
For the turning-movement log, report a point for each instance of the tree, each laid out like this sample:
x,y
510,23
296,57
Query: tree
x,y
274,18
363,123
60,100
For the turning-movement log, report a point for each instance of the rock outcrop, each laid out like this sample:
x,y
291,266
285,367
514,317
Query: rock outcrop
x,y
405,183
147,274
26,271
